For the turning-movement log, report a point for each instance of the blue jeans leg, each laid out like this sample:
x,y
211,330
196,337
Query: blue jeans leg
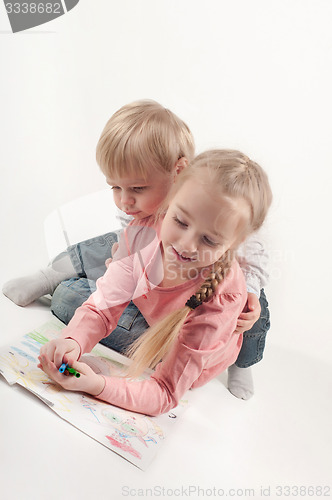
x,y
88,257
254,339
72,293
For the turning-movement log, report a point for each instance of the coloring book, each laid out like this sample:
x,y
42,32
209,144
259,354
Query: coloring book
x,y
134,436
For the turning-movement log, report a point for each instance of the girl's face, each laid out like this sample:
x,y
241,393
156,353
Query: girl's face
x,y
199,227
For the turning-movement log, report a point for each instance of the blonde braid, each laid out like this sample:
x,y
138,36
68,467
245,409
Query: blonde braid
x,y
217,274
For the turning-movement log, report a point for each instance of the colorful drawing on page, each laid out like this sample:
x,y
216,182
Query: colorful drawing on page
x,y
130,428
21,369
134,436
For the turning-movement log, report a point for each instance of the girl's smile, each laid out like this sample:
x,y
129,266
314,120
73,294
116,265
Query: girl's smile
x,y
181,257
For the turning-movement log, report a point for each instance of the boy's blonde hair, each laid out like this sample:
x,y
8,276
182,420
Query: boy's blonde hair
x,y
142,136
237,177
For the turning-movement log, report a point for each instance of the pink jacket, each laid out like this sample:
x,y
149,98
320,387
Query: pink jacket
x,y
205,346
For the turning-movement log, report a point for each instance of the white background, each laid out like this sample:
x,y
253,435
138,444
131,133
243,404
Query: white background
x,y
253,75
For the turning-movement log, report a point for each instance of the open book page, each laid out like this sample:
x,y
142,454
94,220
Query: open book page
x,y
134,436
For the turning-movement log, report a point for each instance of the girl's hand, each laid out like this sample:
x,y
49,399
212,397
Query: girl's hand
x,y
58,350
247,319
88,382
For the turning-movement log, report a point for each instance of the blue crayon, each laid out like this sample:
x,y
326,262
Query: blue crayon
x,y
63,367
72,371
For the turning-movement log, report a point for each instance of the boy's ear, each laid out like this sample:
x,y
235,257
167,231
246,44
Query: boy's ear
x,y
181,164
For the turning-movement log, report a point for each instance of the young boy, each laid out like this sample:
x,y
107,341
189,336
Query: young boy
x,y
141,150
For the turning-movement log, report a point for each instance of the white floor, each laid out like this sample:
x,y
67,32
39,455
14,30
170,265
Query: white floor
x,y
281,437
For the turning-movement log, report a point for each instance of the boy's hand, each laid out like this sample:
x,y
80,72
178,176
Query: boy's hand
x,y
114,248
247,319
58,350
88,382
108,261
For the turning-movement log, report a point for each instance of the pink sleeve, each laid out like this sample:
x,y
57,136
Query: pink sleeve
x,y
205,347
99,315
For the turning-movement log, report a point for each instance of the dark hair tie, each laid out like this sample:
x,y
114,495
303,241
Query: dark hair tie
x,y
193,302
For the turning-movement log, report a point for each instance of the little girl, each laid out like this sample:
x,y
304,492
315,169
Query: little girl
x,y
187,284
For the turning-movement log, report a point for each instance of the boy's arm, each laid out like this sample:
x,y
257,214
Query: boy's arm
x,y
253,258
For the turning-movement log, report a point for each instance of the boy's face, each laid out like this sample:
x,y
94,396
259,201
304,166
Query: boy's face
x,y
140,197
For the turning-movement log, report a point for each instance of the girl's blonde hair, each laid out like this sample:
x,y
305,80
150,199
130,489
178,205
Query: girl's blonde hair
x,y
142,136
237,177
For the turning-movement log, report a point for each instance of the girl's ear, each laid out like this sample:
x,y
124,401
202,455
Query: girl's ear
x,y
181,164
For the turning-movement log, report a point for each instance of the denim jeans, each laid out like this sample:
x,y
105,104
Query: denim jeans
x,y
254,339
71,294
88,257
